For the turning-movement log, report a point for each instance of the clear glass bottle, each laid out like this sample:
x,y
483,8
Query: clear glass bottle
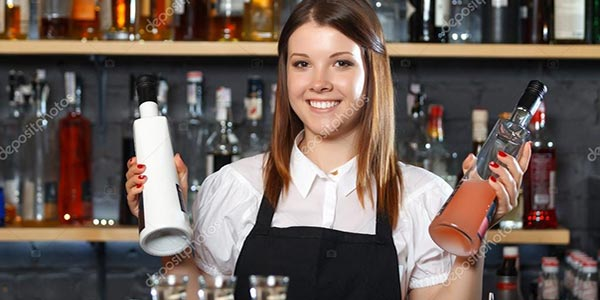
x,y
392,16
40,178
549,285
253,141
16,20
55,19
507,280
261,20
85,20
74,192
222,146
416,150
124,20
437,158
193,133
226,20
464,219
539,182
11,156
589,280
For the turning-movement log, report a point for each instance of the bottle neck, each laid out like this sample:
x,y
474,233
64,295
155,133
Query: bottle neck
x,y
195,111
480,132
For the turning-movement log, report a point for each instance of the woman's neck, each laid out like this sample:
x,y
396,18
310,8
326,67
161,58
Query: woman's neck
x,y
329,153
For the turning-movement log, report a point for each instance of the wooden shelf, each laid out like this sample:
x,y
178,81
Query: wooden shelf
x,y
540,237
86,234
408,50
130,234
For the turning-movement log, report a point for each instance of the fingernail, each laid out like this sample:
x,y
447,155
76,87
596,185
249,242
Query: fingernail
x,y
138,186
141,166
493,179
494,165
142,177
502,154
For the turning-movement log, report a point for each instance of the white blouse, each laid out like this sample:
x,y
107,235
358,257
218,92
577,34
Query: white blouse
x,y
227,205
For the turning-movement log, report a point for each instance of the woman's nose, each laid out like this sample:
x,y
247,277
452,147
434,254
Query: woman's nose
x,y
321,84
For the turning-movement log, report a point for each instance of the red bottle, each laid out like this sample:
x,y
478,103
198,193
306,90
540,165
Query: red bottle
x,y
539,182
74,193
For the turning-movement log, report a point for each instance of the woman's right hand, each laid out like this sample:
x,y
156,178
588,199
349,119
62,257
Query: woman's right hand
x,y
135,181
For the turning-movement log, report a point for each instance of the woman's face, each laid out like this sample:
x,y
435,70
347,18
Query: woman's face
x,y
325,80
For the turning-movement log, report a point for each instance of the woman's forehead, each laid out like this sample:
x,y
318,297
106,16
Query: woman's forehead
x,y
314,39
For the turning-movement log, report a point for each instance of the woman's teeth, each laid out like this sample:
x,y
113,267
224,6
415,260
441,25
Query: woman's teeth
x,y
323,104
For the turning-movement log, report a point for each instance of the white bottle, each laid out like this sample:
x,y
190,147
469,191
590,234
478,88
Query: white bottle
x,y
163,225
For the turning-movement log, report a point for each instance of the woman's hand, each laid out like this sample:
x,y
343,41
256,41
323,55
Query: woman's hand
x,y
135,181
506,180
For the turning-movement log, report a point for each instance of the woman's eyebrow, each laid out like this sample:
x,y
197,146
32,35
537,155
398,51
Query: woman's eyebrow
x,y
299,54
341,53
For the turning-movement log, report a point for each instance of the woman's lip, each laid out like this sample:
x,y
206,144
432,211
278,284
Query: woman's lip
x,y
322,110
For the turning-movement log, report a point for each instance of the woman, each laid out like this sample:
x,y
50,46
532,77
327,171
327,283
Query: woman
x,y
330,206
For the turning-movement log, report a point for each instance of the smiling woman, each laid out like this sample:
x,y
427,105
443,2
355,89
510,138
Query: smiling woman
x,y
329,205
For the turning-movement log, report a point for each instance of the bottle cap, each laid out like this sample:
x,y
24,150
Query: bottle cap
x,y
146,86
590,266
533,95
436,111
195,76
415,88
40,74
510,251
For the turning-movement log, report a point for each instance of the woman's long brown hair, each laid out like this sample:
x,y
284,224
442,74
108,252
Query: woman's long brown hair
x,y
377,159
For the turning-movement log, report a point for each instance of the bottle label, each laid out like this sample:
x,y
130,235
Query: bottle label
x,y
410,9
84,10
550,289
569,20
253,108
194,92
230,8
506,286
179,6
145,8
499,3
589,290
542,180
442,12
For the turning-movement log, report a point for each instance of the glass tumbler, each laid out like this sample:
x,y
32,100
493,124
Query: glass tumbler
x,y
268,287
171,287
221,288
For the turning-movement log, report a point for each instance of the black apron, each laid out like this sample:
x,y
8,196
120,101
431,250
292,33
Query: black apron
x,y
322,263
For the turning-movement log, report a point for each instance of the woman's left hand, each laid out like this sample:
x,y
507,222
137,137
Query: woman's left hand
x,y
506,180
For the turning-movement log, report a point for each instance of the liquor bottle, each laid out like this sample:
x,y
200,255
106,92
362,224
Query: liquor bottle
x,y
2,19
11,156
163,224
191,20
537,27
40,170
539,182
124,20
549,286
428,23
34,20
465,29
595,22
55,19
589,280
163,96
569,22
16,20
500,21
226,20
156,20
74,193
222,146
193,133
260,22
463,220
438,159
85,19
507,282
128,151
392,16
253,141
479,117
416,150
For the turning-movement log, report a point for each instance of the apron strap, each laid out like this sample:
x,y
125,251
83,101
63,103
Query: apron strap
x,y
265,217
383,230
